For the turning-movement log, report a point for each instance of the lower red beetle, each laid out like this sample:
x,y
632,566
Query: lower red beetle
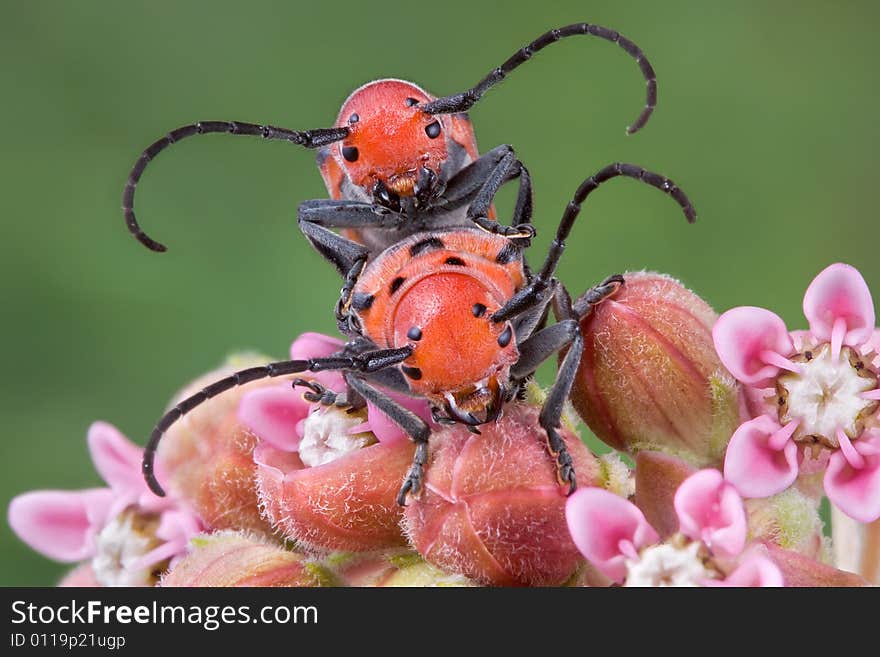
x,y
453,316
399,161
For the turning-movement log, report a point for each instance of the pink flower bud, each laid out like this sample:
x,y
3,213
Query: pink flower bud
x,y
492,507
348,504
800,570
650,378
81,576
236,559
790,520
207,456
396,569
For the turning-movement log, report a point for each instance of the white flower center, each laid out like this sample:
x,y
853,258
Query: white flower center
x,y
327,435
826,395
668,565
124,540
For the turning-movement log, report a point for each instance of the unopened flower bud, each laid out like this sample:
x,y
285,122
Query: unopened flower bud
x,y
401,568
790,520
237,559
650,378
207,455
492,507
344,503
80,577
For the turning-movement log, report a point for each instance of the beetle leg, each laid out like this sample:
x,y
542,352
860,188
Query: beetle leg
x,y
367,362
412,424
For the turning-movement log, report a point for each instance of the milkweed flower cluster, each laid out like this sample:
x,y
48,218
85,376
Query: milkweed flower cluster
x,y
814,395
726,422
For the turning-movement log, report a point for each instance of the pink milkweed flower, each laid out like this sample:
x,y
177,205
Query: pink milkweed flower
x,y
328,478
814,395
127,533
708,550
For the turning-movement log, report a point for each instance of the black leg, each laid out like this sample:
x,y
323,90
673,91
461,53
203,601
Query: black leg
x,y
462,102
541,346
525,298
521,228
307,138
414,426
371,361
331,213
554,404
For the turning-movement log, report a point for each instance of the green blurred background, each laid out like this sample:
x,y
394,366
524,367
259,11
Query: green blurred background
x,y
766,117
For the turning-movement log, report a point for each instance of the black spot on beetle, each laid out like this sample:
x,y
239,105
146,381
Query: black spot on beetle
x,y
350,153
361,301
504,338
396,283
478,310
507,254
414,333
426,245
412,372
458,262
433,130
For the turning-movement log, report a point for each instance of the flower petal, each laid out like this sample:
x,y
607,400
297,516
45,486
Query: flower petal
x,y
755,570
318,345
742,335
314,345
599,522
117,459
856,492
754,467
273,413
60,524
840,292
710,510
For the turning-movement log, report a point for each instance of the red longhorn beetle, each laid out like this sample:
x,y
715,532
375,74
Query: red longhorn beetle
x,y
451,315
406,161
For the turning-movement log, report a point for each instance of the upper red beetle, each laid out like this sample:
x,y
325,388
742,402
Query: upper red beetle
x,y
397,158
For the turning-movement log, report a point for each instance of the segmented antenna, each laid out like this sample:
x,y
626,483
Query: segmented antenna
x,y
307,139
462,102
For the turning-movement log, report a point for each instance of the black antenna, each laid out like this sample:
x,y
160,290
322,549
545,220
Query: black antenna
x,y
307,138
462,102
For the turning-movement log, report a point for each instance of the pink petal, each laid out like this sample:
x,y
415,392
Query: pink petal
x,y
61,524
840,292
314,345
754,467
117,460
745,338
755,570
856,492
317,345
600,523
273,414
710,510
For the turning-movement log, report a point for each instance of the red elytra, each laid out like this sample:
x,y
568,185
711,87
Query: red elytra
x,y
437,293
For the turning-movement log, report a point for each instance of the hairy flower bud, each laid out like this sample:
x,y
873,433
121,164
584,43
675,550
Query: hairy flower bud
x,y
650,378
492,507
237,559
401,568
207,456
348,503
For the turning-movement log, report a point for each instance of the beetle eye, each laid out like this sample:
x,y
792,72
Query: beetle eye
x,y
433,130
411,101
350,153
